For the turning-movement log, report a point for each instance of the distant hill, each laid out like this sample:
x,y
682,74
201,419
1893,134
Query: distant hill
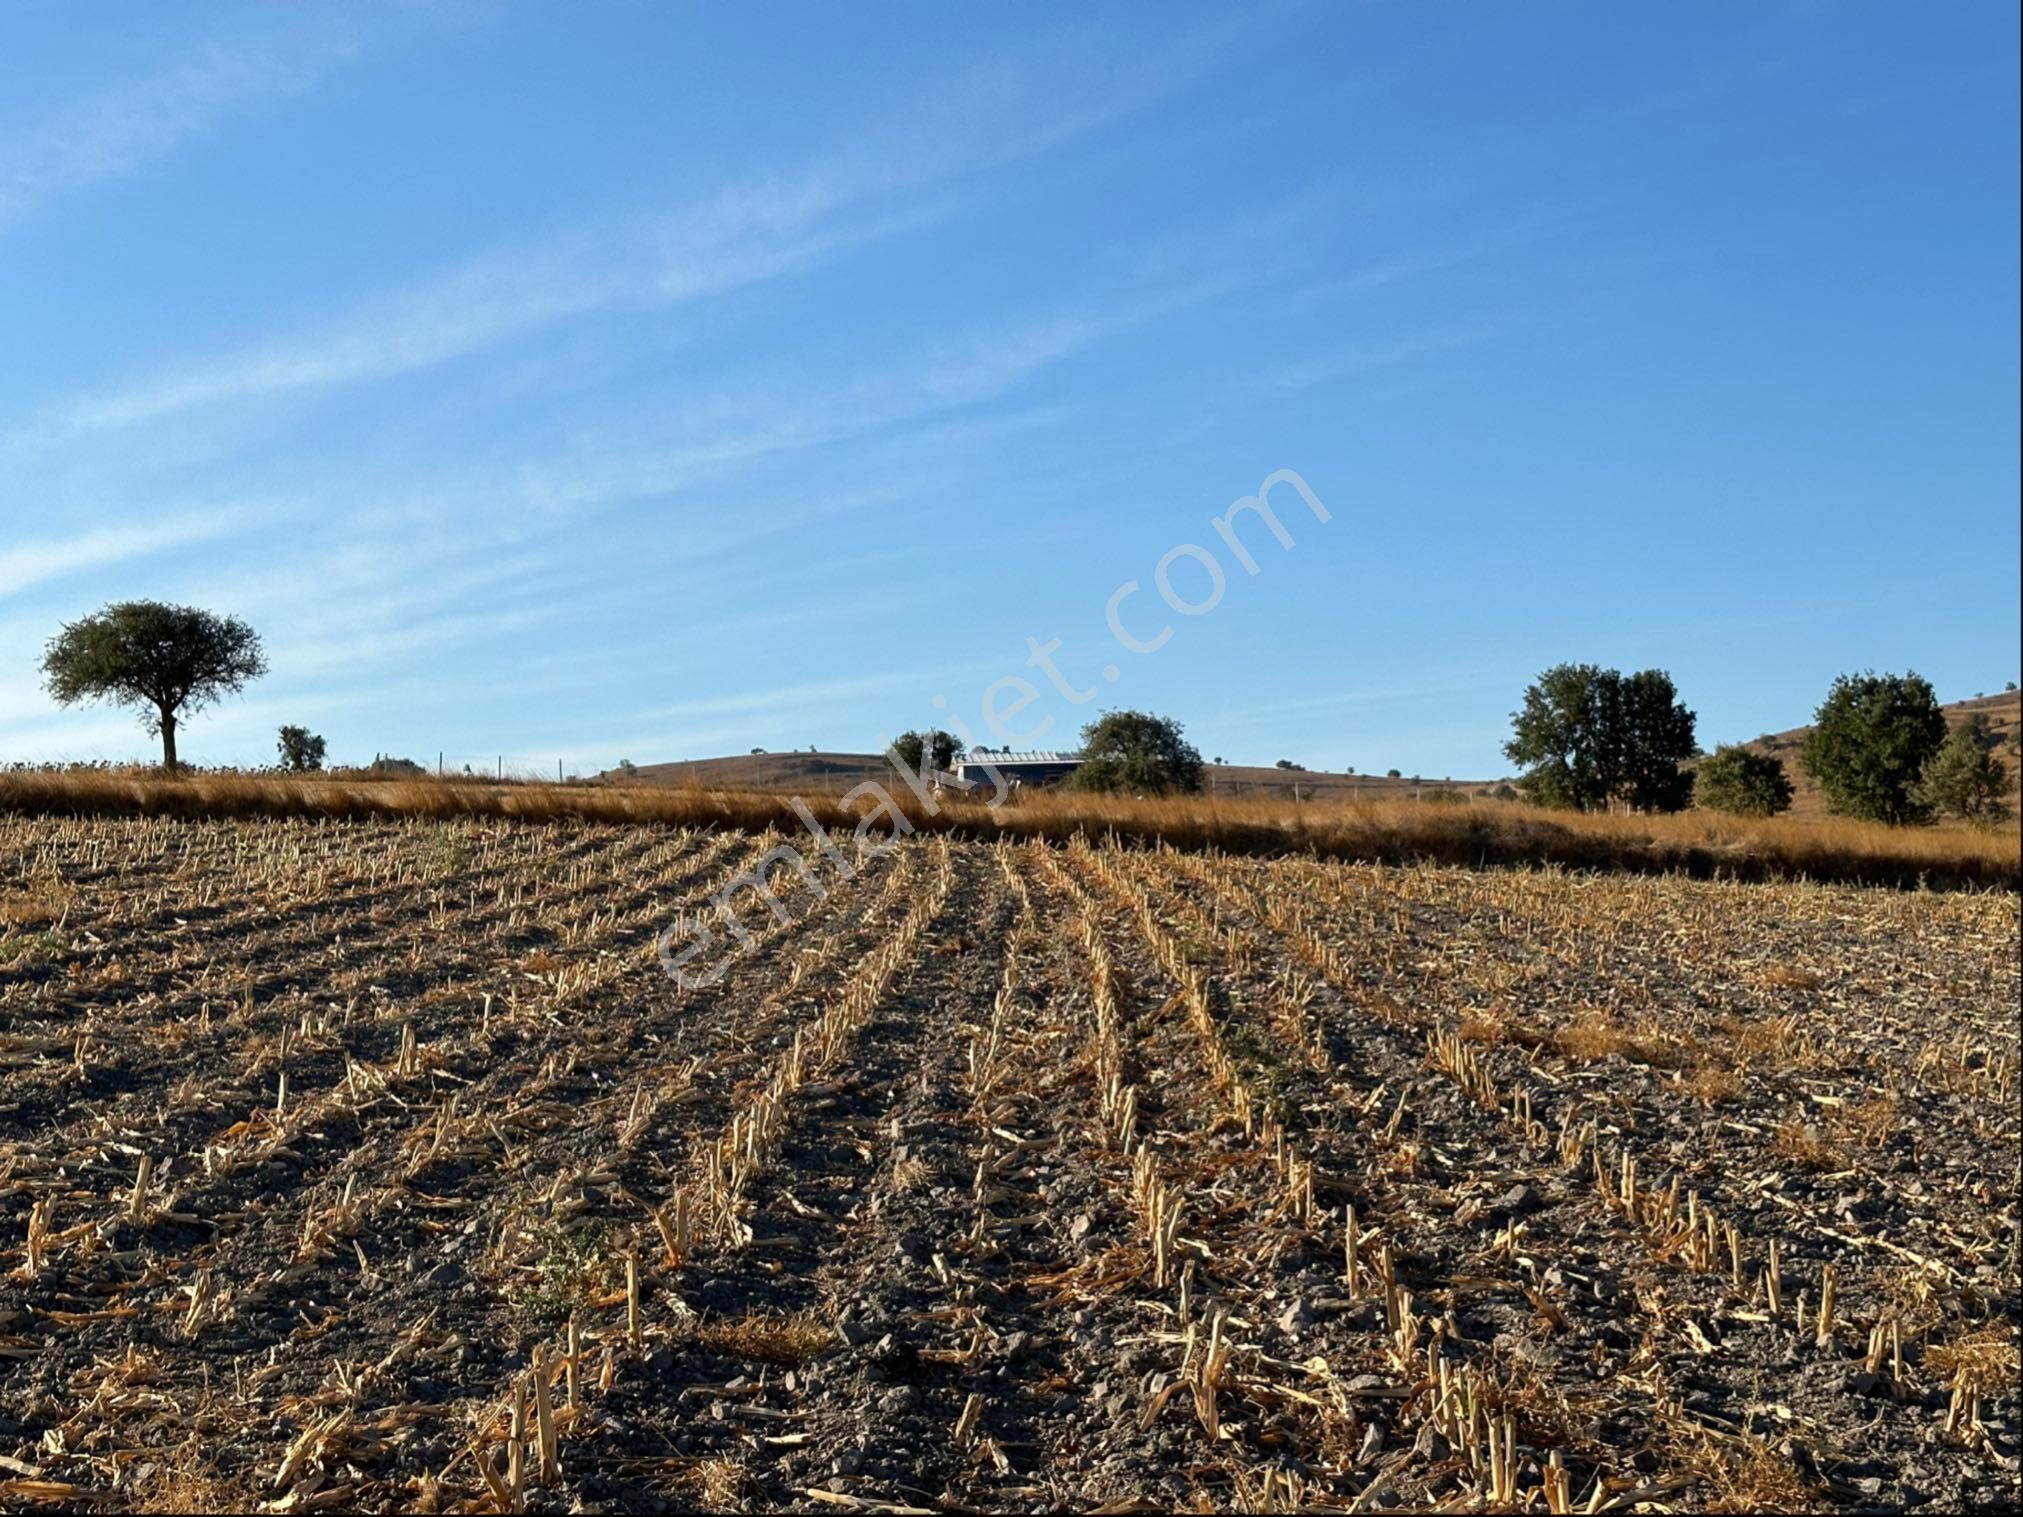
x,y
2004,712
832,773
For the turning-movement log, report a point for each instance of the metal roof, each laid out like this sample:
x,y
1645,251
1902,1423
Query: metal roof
x,y
1032,756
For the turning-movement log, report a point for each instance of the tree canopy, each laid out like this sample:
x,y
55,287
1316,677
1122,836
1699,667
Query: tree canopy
x,y
936,748
1593,737
1743,782
1870,741
301,749
1137,752
169,661
1964,779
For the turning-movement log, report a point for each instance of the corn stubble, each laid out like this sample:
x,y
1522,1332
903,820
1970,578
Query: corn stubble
x,y
375,1165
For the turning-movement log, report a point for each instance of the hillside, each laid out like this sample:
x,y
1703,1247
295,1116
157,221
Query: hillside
x,y
2003,710
833,773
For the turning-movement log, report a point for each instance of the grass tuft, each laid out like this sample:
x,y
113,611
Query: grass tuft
x,y
766,1338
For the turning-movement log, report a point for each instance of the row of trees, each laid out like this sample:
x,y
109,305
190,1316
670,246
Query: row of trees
x,y
1130,752
1589,738
1878,749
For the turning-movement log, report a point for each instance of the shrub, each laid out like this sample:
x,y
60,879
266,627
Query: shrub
x,y
1963,779
936,748
301,750
1742,782
1137,752
1870,741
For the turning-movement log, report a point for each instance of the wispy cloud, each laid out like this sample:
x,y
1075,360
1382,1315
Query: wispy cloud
x,y
31,563
822,694
1266,713
1437,257
128,124
644,459
762,229
1374,356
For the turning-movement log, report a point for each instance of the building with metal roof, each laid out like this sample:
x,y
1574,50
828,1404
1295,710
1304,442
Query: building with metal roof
x,y
1020,767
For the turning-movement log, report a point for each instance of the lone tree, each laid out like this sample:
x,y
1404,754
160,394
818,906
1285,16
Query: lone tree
x,y
935,747
1595,737
301,749
1964,779
170,661
1136,751
1870,741
1743,782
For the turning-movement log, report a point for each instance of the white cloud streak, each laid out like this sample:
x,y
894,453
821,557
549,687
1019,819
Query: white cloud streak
x,y
1374,356
747,233
31,563
121,128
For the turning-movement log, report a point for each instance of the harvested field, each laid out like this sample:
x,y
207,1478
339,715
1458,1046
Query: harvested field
x,y
1482,833
378,1165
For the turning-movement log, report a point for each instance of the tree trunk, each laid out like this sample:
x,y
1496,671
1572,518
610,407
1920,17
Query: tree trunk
x,y
168,739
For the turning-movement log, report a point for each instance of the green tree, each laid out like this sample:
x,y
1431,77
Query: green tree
x,y
1742,781
1593,737
1964,779
1138,752
936,747
301,749
1870,741
169,661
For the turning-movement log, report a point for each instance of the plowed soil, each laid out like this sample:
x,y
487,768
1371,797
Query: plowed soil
x,y
381,1166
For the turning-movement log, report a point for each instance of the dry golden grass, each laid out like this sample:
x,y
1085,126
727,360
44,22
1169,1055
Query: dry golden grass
x,y
767,1339
1776,1037
1745,1473
715,1485
1987,1360
1486,1030
1873,1122
1597,1035
182,1485
1785,977
35,906
1484,833
1711,1085
1807,1148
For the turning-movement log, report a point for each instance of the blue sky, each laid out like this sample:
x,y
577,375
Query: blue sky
x,y
624,381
